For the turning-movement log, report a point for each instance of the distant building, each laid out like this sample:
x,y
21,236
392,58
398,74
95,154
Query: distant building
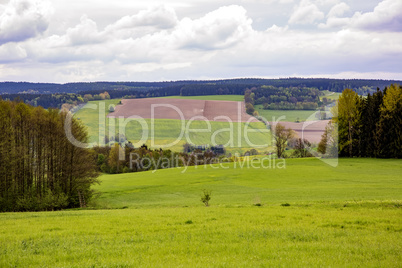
x,y
217,150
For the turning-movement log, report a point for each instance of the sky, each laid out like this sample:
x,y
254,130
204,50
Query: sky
x,y
121,40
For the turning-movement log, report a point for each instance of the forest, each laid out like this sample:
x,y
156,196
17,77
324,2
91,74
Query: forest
x,y
143,158
55,95
40,168
370,126
290,98
336,85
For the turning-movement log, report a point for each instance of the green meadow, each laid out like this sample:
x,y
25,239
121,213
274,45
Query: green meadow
x,y
271,181
284,115
331,95
174,133
298,213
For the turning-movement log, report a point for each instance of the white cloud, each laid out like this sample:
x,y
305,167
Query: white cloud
x,y
338,10
84,33
11,52
216,30
161,43
285,1
161,17
334,19
386,16
276,29
306,13
23,19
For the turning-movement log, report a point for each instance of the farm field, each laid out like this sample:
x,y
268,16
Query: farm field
x,y
331,95
179,109
289,115
312,215
294,115
209,97
169,131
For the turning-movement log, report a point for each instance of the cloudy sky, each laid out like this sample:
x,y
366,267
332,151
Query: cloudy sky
x,y
122,40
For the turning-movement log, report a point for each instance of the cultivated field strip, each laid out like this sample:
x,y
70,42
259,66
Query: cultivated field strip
x,y
179,109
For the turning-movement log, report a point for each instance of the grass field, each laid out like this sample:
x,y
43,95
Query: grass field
x,y
168,131
301,181
289,115
331,95
312,215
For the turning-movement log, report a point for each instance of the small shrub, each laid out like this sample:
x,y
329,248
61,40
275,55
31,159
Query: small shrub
x,y
285,205
189,222
206,197
257,201
126,170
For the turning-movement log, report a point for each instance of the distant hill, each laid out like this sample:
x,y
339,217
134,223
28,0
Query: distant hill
x,y
54,95
190,87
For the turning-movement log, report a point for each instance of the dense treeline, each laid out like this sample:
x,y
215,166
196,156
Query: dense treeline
x,y
291,98
40,169
274,98
370,126
55,100
123,159
336,85
55,95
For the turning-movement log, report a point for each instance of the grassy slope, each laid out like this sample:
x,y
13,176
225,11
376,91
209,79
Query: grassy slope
x,y
302,180
331,95
346,216
289,115
167,131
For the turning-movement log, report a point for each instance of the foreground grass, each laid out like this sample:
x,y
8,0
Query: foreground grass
x,y
197,237
311,215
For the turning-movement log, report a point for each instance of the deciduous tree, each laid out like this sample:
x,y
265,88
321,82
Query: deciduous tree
x,y
281,137
348,118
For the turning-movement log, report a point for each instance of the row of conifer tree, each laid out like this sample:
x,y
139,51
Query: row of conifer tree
x,y
370,126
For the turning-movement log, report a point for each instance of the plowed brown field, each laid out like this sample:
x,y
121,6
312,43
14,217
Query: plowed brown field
x,y
309,130
232,111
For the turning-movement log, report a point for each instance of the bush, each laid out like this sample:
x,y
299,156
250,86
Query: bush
x,y
49,201
126,170
206,197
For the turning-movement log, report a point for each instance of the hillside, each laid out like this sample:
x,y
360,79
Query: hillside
x,y
302,181
308,214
